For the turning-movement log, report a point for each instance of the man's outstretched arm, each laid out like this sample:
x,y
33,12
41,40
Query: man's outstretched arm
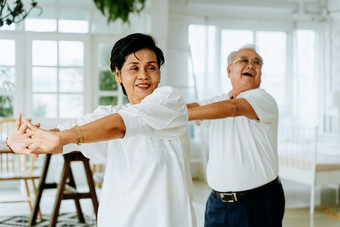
x,y
222,109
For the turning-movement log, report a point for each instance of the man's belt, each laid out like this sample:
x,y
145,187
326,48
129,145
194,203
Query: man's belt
x,y
230,197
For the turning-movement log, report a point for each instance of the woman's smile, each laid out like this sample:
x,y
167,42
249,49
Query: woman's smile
x,y
140,75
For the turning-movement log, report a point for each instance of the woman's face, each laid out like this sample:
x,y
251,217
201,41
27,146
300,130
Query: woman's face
x,y
140,75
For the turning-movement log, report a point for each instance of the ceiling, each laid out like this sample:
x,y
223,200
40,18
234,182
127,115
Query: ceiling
x,y
262,9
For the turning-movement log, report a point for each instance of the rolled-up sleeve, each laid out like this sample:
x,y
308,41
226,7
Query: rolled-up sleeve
x,y
163,114
263,104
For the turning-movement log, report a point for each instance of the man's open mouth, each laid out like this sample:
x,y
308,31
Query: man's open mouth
x,y
247,74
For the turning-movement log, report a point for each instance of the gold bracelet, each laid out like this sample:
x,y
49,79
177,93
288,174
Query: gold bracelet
x,y
80,135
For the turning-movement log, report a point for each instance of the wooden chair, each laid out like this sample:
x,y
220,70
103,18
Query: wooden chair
x,y
15,167
98,173
66,188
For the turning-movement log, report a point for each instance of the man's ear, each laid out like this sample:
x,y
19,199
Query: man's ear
x,y
118,76
228,71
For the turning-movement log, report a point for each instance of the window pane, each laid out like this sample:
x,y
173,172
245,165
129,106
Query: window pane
x,y
6,106
7,79
71,106
45,105
39,25
8,28
73,20
4,12
108,100
71,80
232,40
44,79
71,53
272,47
44,53
74,2
76,26
47,1
100,25
203,48
107,81
104,54
305,78
7,52
139,22
305,40
44,22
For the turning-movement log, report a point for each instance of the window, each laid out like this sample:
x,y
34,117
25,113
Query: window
x,y
57,78
73,21
304,81
55,68
7,77
46,22
275,80
289,76
203,48
109,92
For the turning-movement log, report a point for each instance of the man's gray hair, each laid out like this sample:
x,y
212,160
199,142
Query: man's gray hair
x,y
246,46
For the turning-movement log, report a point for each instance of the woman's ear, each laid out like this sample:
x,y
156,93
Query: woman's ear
x,y
118,76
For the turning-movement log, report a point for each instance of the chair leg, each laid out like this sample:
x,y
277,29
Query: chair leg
x,y
61,188
89,178
36,194
42,186
79,211
337,195
28,194
312,199
72,183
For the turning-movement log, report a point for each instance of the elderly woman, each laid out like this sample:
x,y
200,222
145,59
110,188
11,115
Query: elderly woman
x,y
147,180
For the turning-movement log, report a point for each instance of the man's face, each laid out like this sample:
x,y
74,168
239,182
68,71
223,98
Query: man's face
x,y
245,70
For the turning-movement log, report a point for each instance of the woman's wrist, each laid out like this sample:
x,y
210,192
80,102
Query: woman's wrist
x,y
80,135
66,137
70,136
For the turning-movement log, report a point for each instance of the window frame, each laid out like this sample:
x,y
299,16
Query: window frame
x,y
289,28
96,71
19,105
87,90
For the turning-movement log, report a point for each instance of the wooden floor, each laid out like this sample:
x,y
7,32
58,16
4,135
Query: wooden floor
x,y
294,217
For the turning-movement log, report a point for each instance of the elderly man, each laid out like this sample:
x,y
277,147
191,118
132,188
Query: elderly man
x,y
243,164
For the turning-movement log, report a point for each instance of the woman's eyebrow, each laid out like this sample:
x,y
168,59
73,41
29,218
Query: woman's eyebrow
x,y
133,63
136,62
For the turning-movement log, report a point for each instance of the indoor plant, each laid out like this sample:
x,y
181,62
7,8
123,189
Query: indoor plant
x,y
115,9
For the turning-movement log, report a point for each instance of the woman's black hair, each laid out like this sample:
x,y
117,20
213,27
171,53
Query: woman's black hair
x,y
131,44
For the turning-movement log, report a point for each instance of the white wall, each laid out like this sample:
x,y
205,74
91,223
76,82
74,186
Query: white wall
x,y
178,51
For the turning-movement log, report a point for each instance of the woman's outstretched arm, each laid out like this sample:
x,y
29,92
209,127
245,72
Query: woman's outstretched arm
x,y
45,141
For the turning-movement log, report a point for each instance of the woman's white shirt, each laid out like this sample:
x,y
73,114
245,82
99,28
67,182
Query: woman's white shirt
x,y
147,177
